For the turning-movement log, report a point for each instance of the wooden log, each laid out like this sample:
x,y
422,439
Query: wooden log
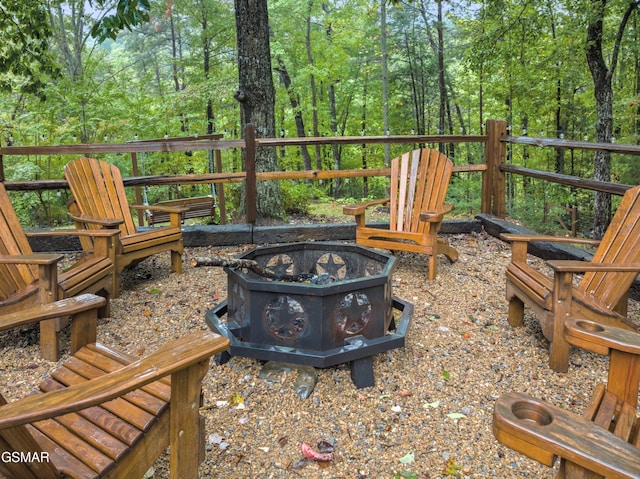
x,y
239,263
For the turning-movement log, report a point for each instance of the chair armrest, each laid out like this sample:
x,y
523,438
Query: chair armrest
x,y
103,240
70,232
361,207
41,259
600,338
511,237
56,309
573,266
436,216
542,431
106,222
170,358
520,242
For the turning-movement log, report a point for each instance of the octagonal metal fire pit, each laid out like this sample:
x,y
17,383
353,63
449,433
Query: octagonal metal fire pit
x,y
343,311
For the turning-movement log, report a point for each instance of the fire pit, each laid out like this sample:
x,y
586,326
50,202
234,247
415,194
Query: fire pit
x,y
340,311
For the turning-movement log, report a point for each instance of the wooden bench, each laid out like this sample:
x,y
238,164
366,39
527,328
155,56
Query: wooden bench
x,y
196,207
605,440
106,414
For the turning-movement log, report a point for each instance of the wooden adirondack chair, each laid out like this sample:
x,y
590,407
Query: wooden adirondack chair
x,y
601,295
105,414
28,279
419,183
605,440
100,201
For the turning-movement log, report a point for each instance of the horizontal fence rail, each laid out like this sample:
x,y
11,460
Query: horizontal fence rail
x,y
573,145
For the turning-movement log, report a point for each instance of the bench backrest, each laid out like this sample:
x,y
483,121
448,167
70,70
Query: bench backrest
x,y
419,183
620,245
196,207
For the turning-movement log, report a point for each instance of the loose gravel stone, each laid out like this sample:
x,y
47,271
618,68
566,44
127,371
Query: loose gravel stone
x,y
429,413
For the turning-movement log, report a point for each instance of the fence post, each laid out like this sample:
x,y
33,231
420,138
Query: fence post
x,y
250,193
222,208
138,195
493,179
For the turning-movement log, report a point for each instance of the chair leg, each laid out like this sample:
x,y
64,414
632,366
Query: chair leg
x,y
105,311
49,346
445,249
433,266
559,354
516,311
176,262
184,450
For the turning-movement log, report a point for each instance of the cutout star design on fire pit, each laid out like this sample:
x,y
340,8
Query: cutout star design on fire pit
x,y
285,318
372,268
281,265
333,265
237,300
354,314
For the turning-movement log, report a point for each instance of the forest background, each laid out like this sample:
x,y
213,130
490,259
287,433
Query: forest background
x,y
357,67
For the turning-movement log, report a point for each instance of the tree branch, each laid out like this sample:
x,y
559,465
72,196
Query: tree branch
x,y
623,24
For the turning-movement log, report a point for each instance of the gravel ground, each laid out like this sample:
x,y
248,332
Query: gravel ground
x,y
429,414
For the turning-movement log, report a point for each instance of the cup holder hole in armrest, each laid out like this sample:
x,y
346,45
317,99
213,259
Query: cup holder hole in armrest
x,y
531,412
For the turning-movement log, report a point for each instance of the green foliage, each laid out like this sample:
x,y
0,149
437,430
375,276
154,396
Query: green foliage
x,y
452,468
464,192
39,208
26,62
522,61
405,475
128,14
297,196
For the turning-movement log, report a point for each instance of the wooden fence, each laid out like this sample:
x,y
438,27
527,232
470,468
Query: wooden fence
x,y
493,169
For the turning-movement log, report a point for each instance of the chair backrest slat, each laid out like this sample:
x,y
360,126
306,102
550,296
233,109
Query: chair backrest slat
x,y
393,203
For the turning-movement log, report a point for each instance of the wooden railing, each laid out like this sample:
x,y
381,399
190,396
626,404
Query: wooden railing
x,y
493,169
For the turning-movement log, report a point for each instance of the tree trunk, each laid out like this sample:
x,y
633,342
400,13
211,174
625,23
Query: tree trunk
x,y
603,91
335,151
312,85
385,78
441,79
417,88
285,78
363,128
256,95
70,38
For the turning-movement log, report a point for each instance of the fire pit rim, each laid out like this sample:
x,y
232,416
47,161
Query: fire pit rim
x,y
257,282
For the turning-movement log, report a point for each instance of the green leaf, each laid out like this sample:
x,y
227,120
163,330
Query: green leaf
x,y
455,415
408,458
405,475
